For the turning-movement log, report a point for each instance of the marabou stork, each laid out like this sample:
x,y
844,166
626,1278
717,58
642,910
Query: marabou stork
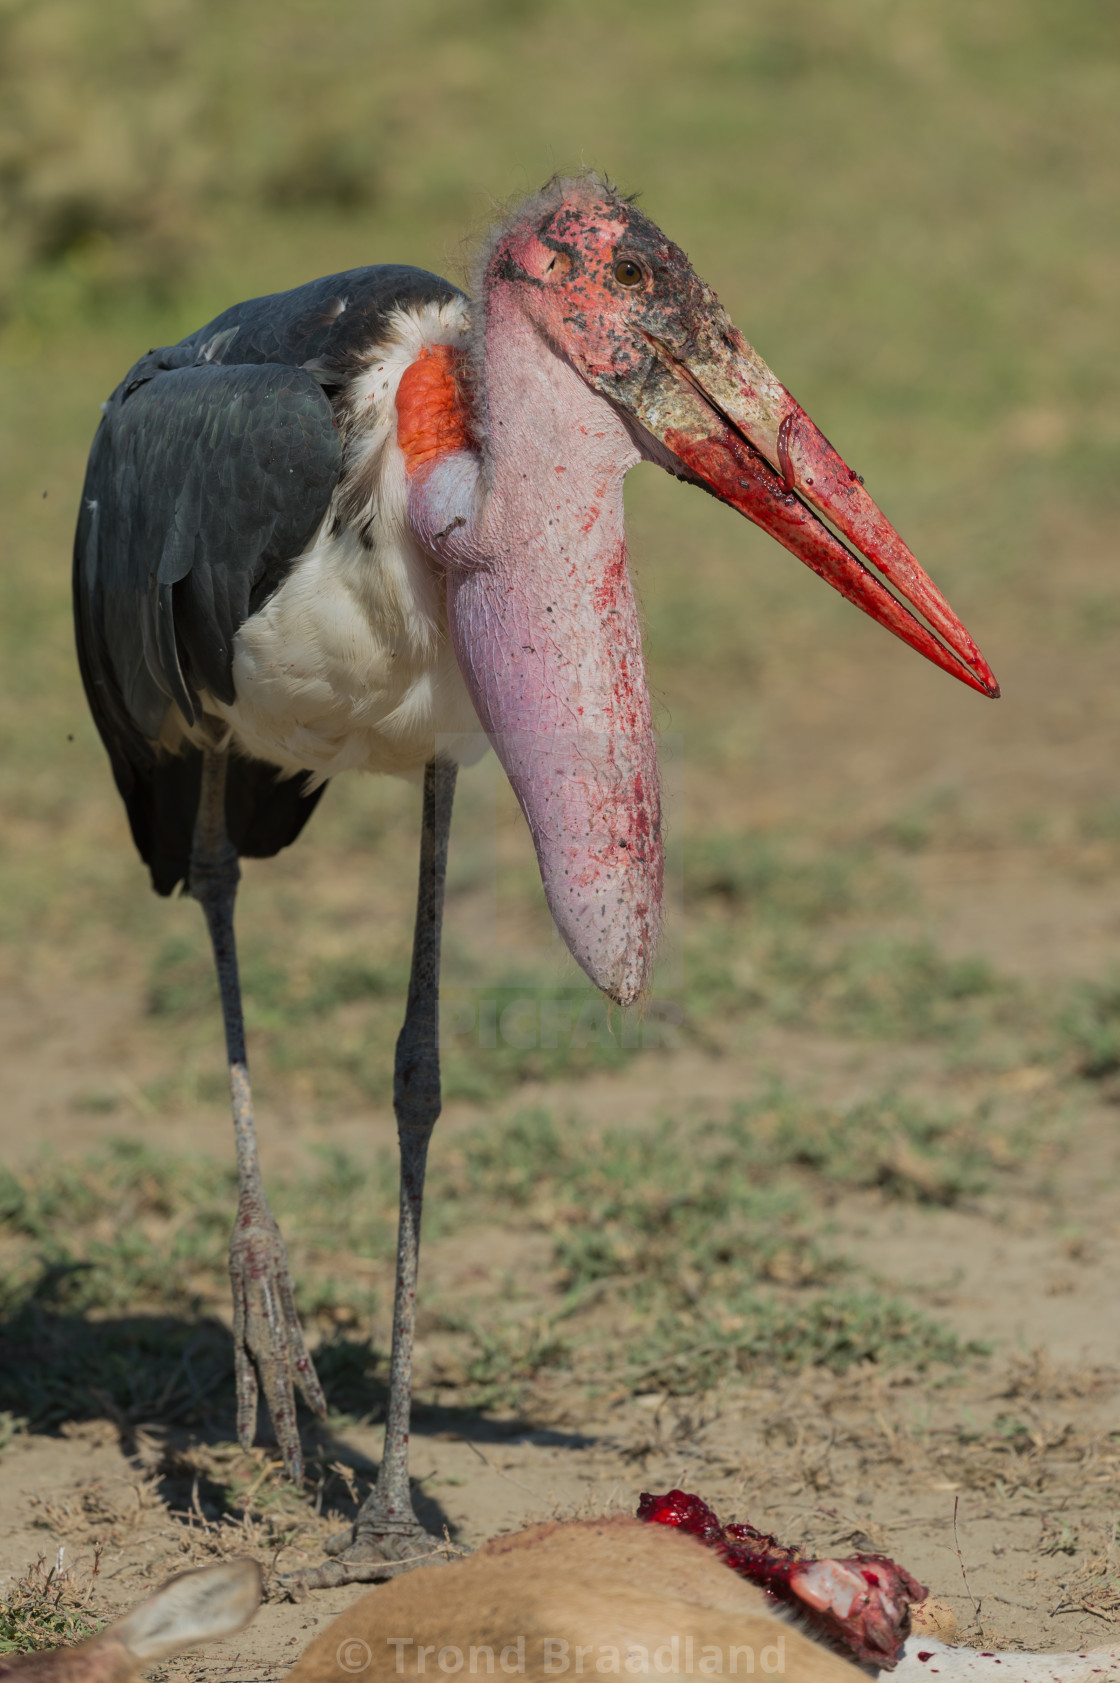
x,y
339,526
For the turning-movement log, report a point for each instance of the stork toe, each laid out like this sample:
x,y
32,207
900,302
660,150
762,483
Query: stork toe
x,y
375,1548
268,1341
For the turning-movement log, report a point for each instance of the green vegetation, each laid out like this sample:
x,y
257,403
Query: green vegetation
x,y
1090,1029
771,932
910,209
159,158
47,1608
838,1330
675,1255
131,1225
773,885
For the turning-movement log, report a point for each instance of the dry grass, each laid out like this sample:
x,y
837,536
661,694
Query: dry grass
x,y
50,1605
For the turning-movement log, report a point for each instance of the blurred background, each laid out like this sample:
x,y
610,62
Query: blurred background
x,y
895,931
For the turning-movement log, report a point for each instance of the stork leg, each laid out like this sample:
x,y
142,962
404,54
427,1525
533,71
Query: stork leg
x,y
387,1536
267,1338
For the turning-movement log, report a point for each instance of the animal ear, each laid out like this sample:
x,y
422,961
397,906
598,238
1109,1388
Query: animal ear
x,y
194,1607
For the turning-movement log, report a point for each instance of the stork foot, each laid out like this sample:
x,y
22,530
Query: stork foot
x,y
379,1545
268,1344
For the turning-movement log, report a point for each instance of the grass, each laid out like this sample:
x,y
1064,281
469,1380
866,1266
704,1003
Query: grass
x,y
836,1330
908,1151
911,210
130,1224
1089,1029
47,1608
955,194
336,1020
940,357
648,1208
791,933
676,1255
762,877
770,931
871,984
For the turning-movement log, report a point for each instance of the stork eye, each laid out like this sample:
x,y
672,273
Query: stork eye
x,y
627,272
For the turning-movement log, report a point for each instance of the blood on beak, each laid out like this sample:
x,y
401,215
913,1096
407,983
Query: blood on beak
x,y
737,431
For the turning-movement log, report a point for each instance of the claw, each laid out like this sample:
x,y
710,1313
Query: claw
x,y
245,1372
372,1559
268,1343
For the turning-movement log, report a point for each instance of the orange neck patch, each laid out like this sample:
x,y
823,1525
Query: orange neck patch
x,y
431,415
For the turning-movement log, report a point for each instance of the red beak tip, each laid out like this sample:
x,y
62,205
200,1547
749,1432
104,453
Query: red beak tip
x,y
983,685
988,680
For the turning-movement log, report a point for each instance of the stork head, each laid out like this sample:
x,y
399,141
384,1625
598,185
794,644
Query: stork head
x,y
622,304
599,345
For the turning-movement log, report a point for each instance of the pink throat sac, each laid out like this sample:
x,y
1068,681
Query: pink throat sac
x,y
546,631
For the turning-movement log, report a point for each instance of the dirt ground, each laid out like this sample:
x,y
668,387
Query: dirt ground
x,y
998,1486
893,944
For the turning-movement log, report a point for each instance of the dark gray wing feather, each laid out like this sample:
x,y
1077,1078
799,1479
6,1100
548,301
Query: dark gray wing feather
x,y
211,471
216,478
328,321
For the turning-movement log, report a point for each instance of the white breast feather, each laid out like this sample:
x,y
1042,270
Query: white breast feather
x,y
348,667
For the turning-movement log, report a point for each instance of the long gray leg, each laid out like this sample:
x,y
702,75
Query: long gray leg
x,y
267,1339
387,1533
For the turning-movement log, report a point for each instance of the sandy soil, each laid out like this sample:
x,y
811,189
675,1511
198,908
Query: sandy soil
x,y
1014,1524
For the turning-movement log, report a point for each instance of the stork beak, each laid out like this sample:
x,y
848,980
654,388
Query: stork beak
x,y
735,429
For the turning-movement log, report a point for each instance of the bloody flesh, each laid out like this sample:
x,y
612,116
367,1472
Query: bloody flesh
x,y
862,1603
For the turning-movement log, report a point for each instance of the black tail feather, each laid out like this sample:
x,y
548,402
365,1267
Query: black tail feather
x,y
265,811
